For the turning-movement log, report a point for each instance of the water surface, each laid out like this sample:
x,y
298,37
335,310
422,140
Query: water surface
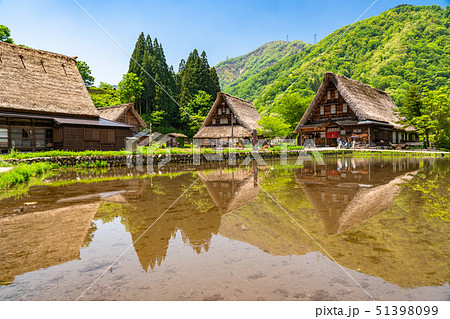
x,y
385,221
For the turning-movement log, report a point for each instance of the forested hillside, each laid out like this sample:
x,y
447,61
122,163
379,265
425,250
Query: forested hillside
x,y
402,46
236,70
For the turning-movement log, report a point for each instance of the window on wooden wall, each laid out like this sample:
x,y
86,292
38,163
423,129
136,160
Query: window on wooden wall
x,y
357,130
219,111
227,111
43,137
344,108
336,94
328,95
322,110
342,132
107,137
323,134
224,121
21,137
91,134
333,109
3,137
214,122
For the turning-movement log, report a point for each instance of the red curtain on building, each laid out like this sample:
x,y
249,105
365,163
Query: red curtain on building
x,y
332,134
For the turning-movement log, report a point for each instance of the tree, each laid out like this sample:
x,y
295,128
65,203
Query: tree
x,y
195,112
434,123
130,88
273,126
5,34
292,106
85,73
412,104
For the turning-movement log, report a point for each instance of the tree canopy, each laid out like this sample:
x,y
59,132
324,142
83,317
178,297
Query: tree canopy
x,y
85,72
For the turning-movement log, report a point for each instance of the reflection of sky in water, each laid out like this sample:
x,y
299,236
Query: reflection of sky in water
x,y
226,239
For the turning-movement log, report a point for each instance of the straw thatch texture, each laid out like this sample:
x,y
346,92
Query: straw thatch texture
x,y
247,118
116,112
366,102
37,81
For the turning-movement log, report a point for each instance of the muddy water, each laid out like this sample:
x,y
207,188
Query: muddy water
x,y
216,233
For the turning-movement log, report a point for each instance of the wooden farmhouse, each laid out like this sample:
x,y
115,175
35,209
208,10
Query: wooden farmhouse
x,y
44,104
230,121
124,113
347,109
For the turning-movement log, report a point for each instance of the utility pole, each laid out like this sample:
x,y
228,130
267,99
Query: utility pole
x,y
315,38
287,37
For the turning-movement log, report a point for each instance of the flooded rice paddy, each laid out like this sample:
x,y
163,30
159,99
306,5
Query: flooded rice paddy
x,y
251,232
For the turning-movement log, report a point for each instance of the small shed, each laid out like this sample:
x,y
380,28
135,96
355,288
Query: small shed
x,y
175,140
124,113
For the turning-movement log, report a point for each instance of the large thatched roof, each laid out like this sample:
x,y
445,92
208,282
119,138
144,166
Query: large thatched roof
x,y
368,103
114,113
247,118
37,81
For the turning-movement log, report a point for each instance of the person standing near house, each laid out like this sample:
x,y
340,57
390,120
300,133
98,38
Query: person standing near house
x,y
339,143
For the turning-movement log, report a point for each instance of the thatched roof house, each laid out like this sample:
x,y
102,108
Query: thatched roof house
x,y
349,109
230,120
44,104
124,113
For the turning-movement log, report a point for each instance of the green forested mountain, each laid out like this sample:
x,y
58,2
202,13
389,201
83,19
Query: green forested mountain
x,y
236,70
402,46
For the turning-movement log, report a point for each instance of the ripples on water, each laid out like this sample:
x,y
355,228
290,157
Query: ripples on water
x,y
385,220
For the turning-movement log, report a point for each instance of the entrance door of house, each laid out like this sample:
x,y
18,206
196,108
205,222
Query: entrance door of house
x,y
332,135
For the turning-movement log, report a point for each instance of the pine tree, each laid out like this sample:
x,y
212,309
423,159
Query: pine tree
x,y
412,105
138,56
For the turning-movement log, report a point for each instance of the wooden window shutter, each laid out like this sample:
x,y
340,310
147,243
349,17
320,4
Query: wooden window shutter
x,y
57,135
91,134
107,137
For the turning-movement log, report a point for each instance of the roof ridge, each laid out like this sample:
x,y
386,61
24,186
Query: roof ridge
x,y
40,51
113,106
359,82
237,98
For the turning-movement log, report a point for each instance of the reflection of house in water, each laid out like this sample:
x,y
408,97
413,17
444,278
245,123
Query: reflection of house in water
x,y
53,223
42,239
346,192
230,190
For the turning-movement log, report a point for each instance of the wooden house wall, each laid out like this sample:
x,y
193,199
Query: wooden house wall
x,y
130,119
78,138
327,103
224,118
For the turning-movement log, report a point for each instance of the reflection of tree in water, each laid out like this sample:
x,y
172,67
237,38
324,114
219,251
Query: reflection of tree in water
x,y
193,215
433,189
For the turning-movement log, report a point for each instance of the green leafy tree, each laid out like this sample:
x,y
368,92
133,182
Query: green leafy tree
x,y
195,112
292,106
85,72
5,34
273,126
104,85
434,123
130,88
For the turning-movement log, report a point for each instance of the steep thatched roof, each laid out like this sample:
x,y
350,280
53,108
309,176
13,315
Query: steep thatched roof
x,y
247,118
114,113
368,103
230,190
37,81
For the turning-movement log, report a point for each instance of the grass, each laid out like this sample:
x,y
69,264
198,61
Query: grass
x,y
22,173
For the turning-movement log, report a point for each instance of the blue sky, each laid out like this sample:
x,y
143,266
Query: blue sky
x,y
222,28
